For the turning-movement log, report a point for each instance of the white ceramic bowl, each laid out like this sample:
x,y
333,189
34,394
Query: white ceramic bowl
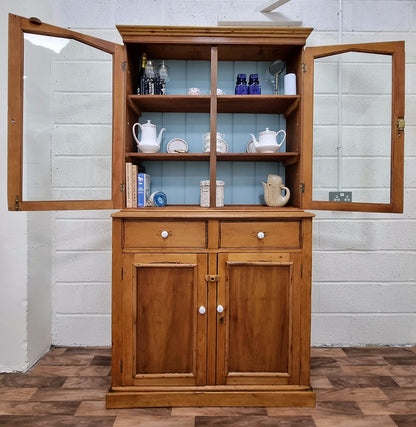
x,y
148,148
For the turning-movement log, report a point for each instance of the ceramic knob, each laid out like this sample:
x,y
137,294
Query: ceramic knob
x,y
220,309
260,235
202,310
164,234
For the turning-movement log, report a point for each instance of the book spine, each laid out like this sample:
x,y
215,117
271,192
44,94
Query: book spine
x,y
143,189
134,171
129,193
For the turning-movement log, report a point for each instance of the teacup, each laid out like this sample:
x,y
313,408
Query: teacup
x,y
194,91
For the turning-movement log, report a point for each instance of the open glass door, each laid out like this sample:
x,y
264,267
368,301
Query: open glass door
x,y
65,119
353,132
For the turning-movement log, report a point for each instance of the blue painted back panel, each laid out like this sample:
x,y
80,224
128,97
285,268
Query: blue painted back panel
x,y
180,180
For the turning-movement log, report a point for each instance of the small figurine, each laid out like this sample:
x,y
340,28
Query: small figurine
x,y
273,191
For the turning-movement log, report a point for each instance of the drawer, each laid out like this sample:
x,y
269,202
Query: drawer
x,y
164,234
260,234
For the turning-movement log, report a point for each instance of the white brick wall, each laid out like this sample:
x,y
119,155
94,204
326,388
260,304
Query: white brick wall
x,y
364,265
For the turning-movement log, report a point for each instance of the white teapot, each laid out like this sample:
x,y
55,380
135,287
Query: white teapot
x,y
267,142
149,142
273,191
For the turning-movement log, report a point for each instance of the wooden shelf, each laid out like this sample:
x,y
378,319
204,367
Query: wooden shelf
x,y
285,158
253,104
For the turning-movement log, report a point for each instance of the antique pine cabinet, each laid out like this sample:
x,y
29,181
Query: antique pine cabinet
x,y
211,306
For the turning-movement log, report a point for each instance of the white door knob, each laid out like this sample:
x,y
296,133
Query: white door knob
x,y
220,309
260,235
164,234
202,310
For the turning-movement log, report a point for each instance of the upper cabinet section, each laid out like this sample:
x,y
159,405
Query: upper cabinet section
x,y
354,127
63,93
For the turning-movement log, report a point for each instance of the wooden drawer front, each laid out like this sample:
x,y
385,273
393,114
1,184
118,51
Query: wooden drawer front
x,y
149,234
270,234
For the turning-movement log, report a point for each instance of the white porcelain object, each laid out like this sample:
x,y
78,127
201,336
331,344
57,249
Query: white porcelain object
x,y
290,84
149,143
273,191
194,91
222,146
268,138
250,148
177,145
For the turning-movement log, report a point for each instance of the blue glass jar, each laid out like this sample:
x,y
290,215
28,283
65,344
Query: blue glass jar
x,y
241,87
254,87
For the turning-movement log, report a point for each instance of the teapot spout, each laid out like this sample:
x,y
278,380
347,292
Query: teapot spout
x,y
255,142
159,138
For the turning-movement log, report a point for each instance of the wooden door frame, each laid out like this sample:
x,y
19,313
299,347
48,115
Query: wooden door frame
x,y
396,51
17,27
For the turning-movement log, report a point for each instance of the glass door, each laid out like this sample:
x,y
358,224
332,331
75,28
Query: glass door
x,y
65,115
354,127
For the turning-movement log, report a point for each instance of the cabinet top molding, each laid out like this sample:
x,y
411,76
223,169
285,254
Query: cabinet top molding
x,y
212,33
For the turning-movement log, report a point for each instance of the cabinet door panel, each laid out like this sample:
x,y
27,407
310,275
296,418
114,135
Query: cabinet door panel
x,y
353,128
65,114
255,331
169,338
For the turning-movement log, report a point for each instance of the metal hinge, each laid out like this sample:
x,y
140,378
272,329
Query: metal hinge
x,y
121,366
122,273
400,124
124,66
16,206
301,271
301,187
122,188
304,68
212,278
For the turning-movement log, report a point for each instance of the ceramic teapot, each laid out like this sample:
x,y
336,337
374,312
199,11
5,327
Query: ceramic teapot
x,y
267,142
149,142
273,191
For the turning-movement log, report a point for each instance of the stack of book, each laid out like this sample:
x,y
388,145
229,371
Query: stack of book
x,y
137,186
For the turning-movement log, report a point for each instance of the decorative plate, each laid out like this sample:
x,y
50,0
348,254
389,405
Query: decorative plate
x,y
177,145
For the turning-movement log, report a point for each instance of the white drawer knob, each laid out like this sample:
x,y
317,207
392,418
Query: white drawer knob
x,y
202,310
164,234
220,309
260,235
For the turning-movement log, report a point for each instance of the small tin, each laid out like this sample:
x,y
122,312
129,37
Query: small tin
x,y
205,194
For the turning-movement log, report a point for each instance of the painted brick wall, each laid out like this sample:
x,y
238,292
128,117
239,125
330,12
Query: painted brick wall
x,y
364,265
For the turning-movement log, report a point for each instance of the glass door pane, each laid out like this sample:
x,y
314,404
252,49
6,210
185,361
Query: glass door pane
x,y
352,128
67,120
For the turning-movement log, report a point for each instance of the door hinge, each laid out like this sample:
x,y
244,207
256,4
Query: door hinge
x,y
121,366
122,273
212,278
124,66
304,68
16,206
400,124
301,271
122,188
301,187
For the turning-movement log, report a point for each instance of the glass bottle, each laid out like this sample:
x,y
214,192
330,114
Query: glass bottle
x,y
241,87
254,87
163,78
140,82
149,78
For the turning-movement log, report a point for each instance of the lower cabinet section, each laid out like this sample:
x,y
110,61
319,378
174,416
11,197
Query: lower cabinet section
x,y
210,327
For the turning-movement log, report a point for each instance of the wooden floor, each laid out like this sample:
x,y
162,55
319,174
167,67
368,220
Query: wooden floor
x,y
355,387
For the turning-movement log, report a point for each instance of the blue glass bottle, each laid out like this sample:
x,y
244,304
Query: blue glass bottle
x,y
254,87
241,87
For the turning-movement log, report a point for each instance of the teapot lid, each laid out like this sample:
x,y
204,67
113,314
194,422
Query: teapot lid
x,y
266,132
149,124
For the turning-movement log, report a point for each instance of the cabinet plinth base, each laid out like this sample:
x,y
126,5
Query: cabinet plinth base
x,y
142,399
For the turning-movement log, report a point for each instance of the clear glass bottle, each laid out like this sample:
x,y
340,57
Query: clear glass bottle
x,y
140,82
149,78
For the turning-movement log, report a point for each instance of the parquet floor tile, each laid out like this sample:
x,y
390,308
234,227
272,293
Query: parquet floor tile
x,y
354,387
